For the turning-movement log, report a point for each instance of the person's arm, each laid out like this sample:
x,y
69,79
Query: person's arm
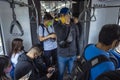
x,y
77,41
41,36
80,29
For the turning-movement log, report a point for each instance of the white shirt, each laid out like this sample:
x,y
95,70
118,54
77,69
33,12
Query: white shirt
x,y
14,57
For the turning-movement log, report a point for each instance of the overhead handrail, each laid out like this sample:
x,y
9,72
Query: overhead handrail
x,y
19,3
87,11
104,6
15,22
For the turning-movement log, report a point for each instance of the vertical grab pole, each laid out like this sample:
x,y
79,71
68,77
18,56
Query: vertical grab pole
x,y
84,31
36,12
118,17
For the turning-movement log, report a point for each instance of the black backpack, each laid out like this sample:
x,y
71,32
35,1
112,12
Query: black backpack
x,y
82,67
43,30
110,75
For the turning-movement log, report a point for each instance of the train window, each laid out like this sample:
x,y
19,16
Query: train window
x,y
1,43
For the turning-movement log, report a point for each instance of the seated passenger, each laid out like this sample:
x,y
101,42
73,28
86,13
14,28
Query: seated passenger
x,y
108,38
5,68
17,50
27,65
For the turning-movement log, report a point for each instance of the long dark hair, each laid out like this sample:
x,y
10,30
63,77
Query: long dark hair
x,y
17,45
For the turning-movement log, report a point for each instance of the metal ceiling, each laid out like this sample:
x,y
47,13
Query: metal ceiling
x,y
53,5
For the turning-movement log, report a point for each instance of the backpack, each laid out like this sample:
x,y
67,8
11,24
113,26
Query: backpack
x,y
43,30
82,67
110,75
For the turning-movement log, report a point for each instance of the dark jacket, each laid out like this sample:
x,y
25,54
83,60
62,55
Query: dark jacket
x,y
24,66
61,32
40,64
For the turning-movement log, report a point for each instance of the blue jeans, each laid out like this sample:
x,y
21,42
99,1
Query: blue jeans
x,y
64,62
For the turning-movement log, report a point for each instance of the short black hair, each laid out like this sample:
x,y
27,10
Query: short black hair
x,y
47,16
76,15
38,47
109,33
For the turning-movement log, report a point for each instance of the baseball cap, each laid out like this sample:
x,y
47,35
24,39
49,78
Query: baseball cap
x,y
65,10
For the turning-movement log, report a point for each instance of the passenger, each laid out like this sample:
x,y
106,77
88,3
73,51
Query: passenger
x,y
56,18
67,40
26,65
108,37
5,68
116,53
81,30
48,37
111,75
76,21
17,50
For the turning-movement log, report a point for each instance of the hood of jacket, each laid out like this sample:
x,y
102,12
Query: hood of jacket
x,y
24,57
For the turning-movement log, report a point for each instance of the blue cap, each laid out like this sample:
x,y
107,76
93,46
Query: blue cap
x,y
64,10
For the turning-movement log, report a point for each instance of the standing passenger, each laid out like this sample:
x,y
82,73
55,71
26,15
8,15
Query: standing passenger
x,y
81,30
67,40
48,37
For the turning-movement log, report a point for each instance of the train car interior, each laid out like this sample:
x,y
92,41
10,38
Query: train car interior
x,y
22,18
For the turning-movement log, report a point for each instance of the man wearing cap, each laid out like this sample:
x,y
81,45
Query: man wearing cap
x,y
68,42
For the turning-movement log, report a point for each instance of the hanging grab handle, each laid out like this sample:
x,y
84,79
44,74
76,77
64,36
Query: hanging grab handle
x,y
15,22
87,11
93,17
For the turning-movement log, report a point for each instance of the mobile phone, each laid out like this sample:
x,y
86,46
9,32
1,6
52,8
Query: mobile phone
x,y
52,71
